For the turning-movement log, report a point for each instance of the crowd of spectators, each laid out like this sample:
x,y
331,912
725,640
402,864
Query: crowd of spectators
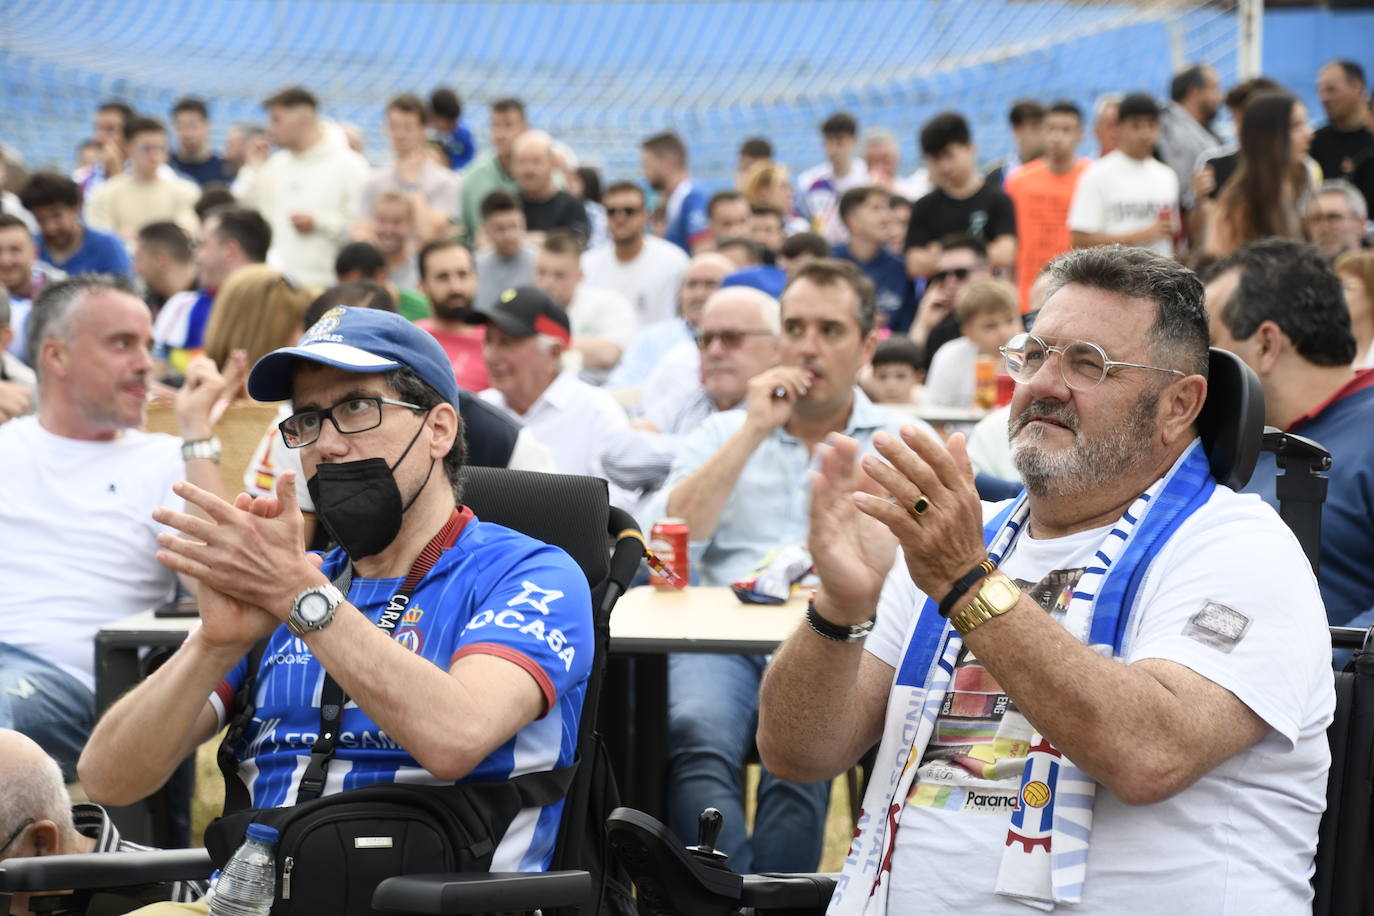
x,y
694,346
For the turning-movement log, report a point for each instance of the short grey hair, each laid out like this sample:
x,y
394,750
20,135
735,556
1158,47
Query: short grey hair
x,y
881,136
52,310
1180,334
1353,198
37,792
1103,100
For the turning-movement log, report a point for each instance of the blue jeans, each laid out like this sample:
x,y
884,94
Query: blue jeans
x,y
47,704
713,705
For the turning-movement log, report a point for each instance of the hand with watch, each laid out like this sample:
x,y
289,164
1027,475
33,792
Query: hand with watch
x,y
933,509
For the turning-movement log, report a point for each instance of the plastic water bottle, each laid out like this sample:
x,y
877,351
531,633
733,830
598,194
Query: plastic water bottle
x,y
248,883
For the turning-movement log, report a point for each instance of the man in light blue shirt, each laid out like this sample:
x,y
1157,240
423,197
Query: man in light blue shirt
x,y
740,481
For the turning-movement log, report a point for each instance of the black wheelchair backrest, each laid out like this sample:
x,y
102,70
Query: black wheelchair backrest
x,y
1231,423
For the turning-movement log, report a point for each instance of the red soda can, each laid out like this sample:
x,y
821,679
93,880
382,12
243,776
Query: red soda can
x,y
668,543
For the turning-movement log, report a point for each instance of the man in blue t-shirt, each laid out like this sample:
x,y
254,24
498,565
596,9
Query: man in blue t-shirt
x,y
463,647
867,215
447,127
1278,306
663,158
65,241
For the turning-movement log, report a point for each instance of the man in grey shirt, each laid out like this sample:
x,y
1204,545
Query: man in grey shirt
x,y
1185,125
508,261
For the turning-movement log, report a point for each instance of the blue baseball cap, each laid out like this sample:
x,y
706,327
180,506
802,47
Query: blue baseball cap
x,y
357,340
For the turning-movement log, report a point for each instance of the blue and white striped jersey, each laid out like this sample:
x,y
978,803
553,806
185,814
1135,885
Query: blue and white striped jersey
x,y
495,592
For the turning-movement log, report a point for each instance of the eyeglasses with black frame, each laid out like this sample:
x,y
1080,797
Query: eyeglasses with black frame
x,y
623,211
353,415
1082,364
14,835
730,340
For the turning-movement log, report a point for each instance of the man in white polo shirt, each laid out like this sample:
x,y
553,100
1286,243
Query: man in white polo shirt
x,y
527,334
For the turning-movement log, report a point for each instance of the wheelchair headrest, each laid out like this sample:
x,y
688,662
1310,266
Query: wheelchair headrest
x,y
1231,422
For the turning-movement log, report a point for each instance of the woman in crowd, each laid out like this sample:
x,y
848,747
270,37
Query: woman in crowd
x,y
768,184
257,310
1268,191
1356,270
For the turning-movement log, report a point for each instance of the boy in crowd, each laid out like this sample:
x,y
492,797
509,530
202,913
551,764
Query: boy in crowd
x,y
896,371
962,201
988,317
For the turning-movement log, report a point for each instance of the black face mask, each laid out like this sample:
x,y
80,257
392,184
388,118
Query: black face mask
x,y
359,503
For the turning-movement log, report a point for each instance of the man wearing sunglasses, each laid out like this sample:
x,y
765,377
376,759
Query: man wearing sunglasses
x,y
962,260
491,652
643,268
740,481
1116,681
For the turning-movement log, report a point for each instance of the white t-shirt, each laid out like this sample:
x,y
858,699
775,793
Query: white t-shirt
x,y
988,448
650,281
79,542
1241,839
602,313
950,381
1118,194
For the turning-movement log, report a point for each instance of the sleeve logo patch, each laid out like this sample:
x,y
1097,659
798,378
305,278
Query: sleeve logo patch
x,y
1217,626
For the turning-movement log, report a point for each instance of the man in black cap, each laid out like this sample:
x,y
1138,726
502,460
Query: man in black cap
x,y
491,653
1128,197
527,335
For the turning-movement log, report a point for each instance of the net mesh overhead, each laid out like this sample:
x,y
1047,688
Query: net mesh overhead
x,y
598,75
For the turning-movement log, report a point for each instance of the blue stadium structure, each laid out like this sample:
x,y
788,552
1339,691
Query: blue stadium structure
x,y
598,75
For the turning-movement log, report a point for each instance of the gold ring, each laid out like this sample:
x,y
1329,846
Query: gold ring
x,y
920,507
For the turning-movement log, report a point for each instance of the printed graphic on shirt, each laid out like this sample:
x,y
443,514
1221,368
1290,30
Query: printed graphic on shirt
x,y
976,756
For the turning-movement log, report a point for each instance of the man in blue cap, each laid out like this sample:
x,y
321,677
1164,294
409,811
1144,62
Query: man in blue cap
x,y
471,669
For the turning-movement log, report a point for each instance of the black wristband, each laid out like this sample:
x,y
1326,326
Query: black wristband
x,y
823,627
966,582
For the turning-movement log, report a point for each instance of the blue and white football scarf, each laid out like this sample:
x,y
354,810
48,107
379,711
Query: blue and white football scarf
x,y
1044,862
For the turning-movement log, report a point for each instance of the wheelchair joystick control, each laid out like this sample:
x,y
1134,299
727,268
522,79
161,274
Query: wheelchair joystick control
x,y
709,823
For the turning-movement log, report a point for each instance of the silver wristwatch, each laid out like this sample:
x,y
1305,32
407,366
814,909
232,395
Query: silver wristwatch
x,y
313,609
200,448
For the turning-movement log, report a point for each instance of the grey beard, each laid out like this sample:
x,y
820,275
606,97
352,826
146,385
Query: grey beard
x,y
1088,464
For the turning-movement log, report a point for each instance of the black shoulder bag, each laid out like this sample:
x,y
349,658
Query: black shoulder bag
x,y
332,852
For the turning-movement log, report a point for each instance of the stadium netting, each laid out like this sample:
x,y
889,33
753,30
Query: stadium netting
x,y
598,75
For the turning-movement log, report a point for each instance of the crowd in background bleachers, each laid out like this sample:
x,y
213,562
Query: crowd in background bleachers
x,y
617,317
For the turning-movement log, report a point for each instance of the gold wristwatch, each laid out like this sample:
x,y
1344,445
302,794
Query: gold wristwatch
x,y
997,595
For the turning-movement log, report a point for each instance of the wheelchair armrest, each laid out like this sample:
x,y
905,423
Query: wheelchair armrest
x,y
104,869
788,892
482,893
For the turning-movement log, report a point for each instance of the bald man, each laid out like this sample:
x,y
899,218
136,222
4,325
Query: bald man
x,y
546,207
37,818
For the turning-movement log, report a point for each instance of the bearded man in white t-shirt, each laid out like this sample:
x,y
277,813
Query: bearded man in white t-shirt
x,y
1111,692
78,484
